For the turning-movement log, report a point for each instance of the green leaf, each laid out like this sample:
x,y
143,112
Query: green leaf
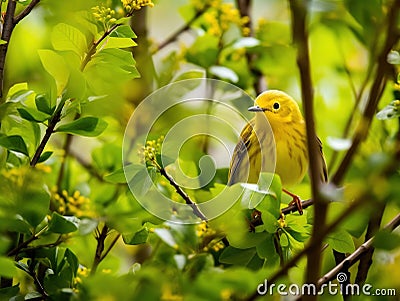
x,y
166,237
393,57
72,260
190,74
137,238
9,293
341,241
63,224
25,198
266,248
56,66
21,95
117,176
2,42
123,31
204,51
33,114
386,240
43,104
246,240
392,110
246,42
224,73
7,267
338,144
14,143
65,37
143,181
85,126
108,69
271,182
232,255
87,226
269,220
120,175
44,156
119,43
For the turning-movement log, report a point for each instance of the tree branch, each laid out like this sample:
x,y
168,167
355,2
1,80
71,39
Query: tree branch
x,y
294,208
8,27
181,30
25,243
361,132
313,243
366,260
112,244
49,131
100,237
300,38
357,254
88,56
25,12
183,194
244,7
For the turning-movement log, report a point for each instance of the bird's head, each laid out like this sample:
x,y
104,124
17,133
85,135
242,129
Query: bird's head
x,y
278,107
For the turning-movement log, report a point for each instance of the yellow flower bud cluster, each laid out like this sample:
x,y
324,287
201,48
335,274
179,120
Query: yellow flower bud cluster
x,y
131,5
75,204
201,5
104,15
150,151
82,272
221,16
203,231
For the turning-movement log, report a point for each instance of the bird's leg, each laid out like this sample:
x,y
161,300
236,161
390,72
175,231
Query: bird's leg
x,y
296,201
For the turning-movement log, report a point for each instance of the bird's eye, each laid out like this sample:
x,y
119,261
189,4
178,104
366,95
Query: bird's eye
x,y
276,106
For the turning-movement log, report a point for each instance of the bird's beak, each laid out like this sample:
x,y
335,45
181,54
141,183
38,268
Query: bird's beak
x,y
255,109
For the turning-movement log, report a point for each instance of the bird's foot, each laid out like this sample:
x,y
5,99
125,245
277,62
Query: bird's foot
x,y
296,201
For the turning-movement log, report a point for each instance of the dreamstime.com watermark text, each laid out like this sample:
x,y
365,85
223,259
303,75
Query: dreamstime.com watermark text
x,y
327,288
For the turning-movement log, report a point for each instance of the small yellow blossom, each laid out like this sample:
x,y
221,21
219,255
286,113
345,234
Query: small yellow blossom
x,y
104,15
75,204
130,5
226,294
220,16
150,151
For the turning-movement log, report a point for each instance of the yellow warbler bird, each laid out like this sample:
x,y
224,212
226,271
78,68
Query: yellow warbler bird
x,y
274,141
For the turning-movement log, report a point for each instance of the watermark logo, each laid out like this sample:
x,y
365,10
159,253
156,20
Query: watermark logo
x,y
182,112
330,288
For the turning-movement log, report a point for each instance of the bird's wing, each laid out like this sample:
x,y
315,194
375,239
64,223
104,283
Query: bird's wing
x,y
240,162
324,172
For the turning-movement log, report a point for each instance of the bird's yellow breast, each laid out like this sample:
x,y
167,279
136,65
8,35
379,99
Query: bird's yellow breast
x,y
291,153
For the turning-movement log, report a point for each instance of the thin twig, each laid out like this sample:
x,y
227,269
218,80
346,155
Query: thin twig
x,y
8,27
181,30
26,11
366,260
374,95
49,131
313,244
259,85
10,21
39,285
112,244
294,208
183,194
100,237
357,254
93,48
88,56
25,243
